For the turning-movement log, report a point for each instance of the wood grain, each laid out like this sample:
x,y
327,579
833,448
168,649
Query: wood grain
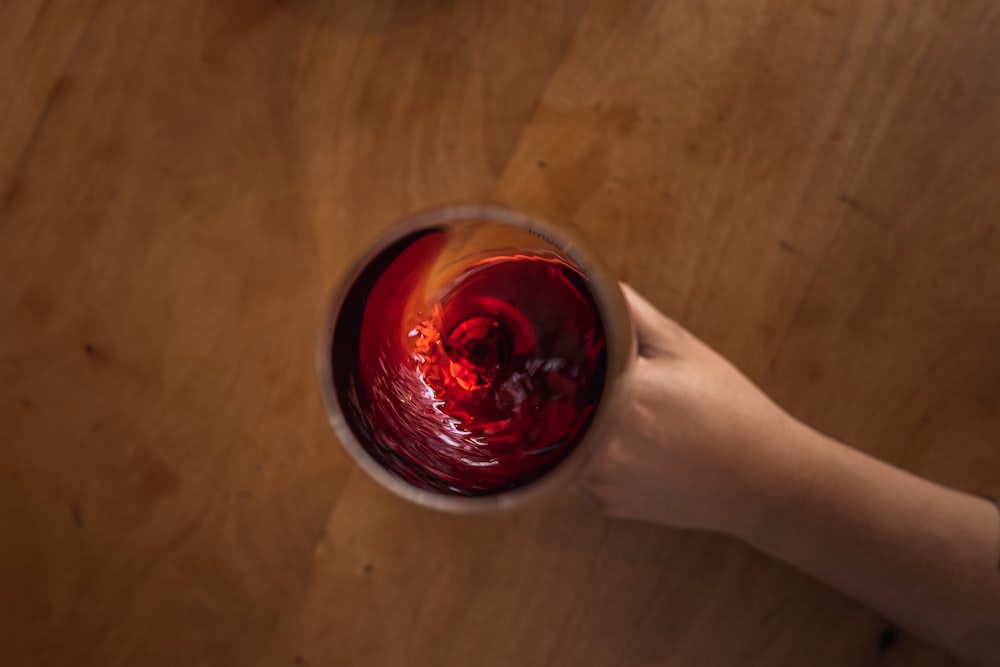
x,y
810,187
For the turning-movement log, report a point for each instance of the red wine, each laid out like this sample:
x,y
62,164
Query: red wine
x,y
476,385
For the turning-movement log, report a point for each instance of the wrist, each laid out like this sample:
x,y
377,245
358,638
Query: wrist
x,y
779,482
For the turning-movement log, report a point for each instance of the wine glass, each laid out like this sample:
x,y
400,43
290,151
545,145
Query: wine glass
x,y
473,358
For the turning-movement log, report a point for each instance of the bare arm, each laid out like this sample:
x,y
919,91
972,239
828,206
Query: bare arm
x,y
704,448
922,554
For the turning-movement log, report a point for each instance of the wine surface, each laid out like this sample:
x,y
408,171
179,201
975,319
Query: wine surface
x,y
479,384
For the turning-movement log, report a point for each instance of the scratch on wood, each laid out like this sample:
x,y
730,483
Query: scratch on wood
x,y
789,248
864,210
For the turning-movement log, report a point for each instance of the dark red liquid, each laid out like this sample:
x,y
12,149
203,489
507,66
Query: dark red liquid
x,y
475,386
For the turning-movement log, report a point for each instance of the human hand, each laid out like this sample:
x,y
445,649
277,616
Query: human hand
x,y
699,445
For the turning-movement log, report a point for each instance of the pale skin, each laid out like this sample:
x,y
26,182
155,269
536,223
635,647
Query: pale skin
x,y
702,447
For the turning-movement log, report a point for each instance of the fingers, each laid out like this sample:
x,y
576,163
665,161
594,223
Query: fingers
x,y
588,482
657,334
597,480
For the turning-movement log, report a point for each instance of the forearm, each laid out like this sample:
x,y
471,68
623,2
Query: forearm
x,y
923,555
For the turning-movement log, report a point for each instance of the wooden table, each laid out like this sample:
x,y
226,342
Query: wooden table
x,y
812,188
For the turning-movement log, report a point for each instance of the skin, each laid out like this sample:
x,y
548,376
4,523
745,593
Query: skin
x,y
702,447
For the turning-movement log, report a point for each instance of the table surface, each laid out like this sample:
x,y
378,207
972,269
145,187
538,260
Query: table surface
x,y
813,188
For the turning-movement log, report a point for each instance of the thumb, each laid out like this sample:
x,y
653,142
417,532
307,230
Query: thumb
x,y
657,334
